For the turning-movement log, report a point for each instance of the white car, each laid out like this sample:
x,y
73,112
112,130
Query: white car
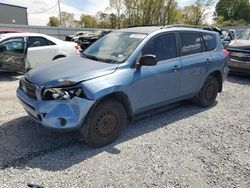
x,y
20,52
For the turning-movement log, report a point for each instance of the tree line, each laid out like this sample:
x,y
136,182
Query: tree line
x,y
127,13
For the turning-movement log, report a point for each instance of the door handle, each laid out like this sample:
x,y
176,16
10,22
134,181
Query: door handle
x,y
208,61
176,68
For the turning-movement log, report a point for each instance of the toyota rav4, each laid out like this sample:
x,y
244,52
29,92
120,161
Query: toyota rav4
x,y
125,73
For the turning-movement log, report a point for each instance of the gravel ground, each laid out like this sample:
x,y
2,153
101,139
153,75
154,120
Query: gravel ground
x,y
183,147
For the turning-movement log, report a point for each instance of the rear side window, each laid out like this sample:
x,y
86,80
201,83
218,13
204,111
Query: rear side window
x,y
162,46
210,41
39,41
190,43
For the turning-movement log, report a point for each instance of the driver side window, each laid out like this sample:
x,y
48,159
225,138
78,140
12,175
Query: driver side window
x,y
162,46
13,45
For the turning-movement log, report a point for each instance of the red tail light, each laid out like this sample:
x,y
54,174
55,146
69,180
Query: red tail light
x,y
78,47
225,52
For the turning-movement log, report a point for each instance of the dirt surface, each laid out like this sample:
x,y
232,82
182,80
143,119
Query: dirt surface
x,y
186,146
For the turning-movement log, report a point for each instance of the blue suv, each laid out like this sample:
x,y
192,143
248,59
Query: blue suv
x,y
125,73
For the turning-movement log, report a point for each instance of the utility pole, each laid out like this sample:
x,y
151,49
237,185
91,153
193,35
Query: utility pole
x,y
60,15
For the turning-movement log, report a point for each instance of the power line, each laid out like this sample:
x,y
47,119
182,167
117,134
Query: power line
x,y
72,6
44,10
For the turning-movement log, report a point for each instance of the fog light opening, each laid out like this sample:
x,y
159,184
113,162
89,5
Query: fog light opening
x,y
62,121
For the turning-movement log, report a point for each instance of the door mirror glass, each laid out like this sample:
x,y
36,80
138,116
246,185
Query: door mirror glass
x,y
148,60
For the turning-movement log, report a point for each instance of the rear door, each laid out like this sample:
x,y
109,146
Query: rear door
x,y
193,60
13,54
40,51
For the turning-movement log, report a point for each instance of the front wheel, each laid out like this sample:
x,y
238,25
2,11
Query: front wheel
x,y
208,93
104,123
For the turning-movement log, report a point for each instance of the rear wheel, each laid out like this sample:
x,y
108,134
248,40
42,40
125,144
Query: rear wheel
x,y
104,123
208,93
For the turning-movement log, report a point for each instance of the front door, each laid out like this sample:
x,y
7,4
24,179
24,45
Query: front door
x,y
13,54
155,85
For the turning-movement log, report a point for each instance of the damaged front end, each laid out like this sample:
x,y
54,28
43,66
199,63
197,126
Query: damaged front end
x,y
63,107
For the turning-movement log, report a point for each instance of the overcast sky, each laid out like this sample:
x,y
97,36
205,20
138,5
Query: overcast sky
x,y
38,14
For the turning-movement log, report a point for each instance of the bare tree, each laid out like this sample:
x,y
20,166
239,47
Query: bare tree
x,y
196,13
117,5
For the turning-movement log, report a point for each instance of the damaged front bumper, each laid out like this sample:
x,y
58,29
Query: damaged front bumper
x,y
56,114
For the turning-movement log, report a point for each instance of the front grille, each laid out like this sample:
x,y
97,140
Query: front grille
x,y
28,88
240,55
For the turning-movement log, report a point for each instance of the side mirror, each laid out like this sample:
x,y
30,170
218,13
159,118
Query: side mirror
x,y
148,60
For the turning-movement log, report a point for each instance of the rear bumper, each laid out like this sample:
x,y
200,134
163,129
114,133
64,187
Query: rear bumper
x,y
239,66
62,115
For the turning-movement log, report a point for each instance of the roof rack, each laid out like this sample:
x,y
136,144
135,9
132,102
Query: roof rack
x,y
209,28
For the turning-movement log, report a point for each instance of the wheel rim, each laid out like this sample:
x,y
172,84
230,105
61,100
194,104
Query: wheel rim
x,y
210,92
106,124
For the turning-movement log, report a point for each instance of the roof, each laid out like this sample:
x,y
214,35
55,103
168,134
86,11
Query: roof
x,y
9,35
13,5
146,29
151,29
5,35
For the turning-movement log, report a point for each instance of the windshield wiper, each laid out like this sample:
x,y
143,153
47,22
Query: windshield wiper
x,y
93,57
97,58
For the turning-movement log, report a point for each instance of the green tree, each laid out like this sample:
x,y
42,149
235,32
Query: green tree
x,y
233,10
53,21
67,19
103,20
112,21
88,21
151,12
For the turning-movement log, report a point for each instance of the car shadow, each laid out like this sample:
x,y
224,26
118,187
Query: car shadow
x,y
239,79
9,76
25,144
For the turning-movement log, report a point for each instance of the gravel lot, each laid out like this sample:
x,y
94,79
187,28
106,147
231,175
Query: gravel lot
x,y
183,147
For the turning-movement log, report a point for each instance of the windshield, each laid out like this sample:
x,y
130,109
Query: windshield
x,y
245,36
115,47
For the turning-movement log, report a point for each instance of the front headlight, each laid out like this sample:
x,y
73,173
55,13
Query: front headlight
x,y
62,93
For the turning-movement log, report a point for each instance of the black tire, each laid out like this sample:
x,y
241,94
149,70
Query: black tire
x,y
208,93
104,123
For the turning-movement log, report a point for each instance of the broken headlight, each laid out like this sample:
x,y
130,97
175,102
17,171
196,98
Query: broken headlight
x,y
62,93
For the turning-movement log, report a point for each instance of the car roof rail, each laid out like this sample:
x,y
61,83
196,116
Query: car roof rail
x,y
209,28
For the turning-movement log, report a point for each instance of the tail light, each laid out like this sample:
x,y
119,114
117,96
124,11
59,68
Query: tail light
x,y
225,52
77,47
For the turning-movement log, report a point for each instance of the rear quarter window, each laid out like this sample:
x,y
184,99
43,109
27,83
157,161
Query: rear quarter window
x,y
210,41
36,41
190,43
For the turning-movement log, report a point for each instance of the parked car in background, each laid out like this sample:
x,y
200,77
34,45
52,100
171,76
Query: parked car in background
x,y
75,36
239,54
20,52
227,36
85,38
89,38
10,31
125,73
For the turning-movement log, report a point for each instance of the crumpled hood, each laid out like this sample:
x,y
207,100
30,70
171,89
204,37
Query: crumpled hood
x,y
240,44
69,71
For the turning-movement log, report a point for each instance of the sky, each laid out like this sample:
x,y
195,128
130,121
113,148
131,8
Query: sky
x,y
39,11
